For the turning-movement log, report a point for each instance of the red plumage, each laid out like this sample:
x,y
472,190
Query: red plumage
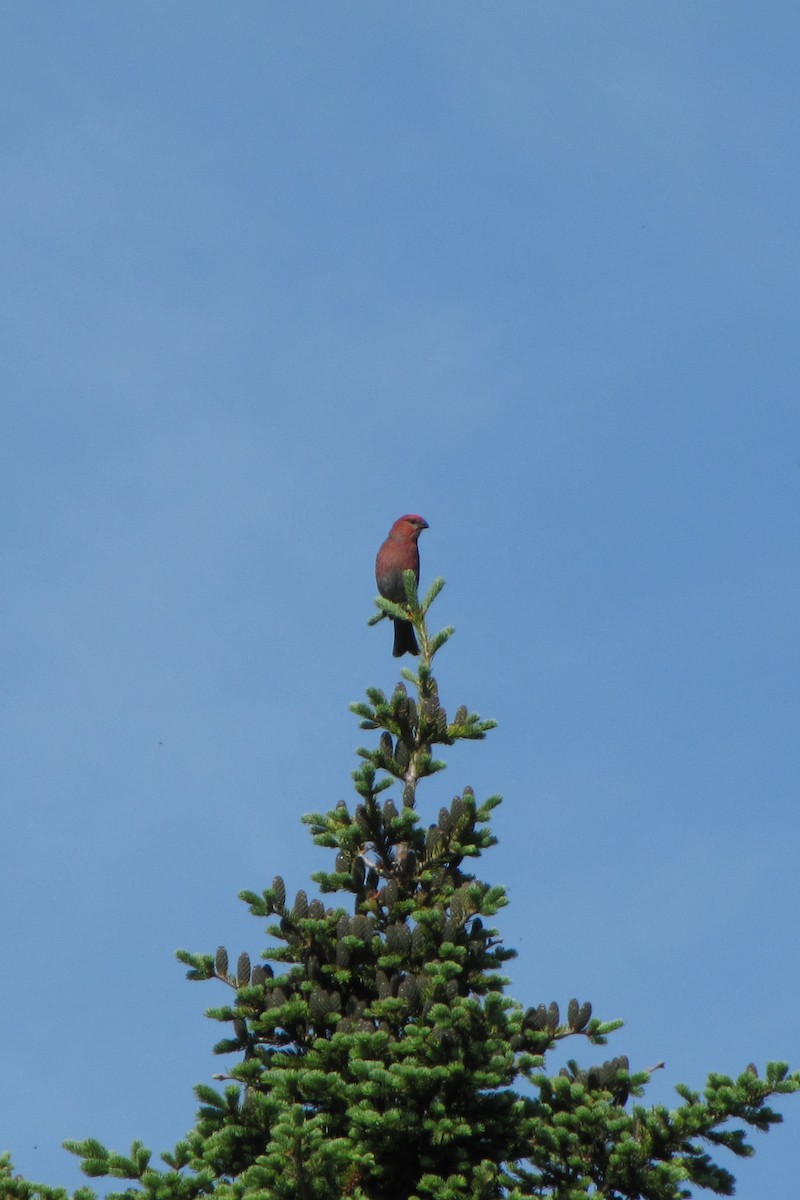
x,y
400,553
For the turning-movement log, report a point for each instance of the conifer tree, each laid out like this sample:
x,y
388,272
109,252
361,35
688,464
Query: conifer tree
x,y
379,1056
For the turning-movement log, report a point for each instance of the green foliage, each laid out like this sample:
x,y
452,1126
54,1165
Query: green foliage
x,y
378,1056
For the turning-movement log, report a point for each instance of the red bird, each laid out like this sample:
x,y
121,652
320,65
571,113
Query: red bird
x,y
400,553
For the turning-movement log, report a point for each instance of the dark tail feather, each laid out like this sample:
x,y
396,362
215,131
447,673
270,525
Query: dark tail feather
x,y
404,639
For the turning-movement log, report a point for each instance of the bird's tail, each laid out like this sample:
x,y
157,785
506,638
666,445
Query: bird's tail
x,y
404,639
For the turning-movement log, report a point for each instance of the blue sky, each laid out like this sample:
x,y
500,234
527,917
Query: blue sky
x,y
274,275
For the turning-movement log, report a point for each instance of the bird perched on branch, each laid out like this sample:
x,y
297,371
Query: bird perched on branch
x,y
400,553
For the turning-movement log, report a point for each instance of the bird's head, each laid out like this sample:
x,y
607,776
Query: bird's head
x,y
409,526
